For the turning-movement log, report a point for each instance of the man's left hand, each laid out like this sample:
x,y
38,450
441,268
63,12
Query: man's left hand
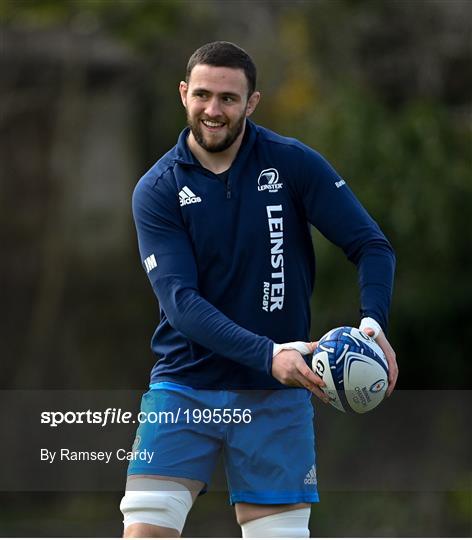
x,y
389,355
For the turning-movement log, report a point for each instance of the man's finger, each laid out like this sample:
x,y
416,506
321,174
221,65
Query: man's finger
x,y
392,378
311,381
391,360
307,373
313,388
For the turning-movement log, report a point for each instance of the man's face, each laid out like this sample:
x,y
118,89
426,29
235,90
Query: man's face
x,y
217,105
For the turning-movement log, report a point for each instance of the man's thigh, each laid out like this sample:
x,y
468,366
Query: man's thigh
x,y
271,460
174,446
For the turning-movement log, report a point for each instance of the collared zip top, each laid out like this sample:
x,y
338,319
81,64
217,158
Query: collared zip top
x,y
233,265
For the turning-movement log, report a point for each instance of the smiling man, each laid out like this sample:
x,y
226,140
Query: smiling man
x,y
223,231
217,100
216,124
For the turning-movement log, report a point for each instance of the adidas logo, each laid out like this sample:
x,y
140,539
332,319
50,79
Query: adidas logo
x,y
150,263
310,478
186,196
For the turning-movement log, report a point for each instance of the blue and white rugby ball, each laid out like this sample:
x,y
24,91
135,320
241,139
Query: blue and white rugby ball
x,y
354,369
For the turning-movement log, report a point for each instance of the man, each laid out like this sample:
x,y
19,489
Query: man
x,y
223,229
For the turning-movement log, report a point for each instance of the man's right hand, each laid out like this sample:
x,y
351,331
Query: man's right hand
x,y
289,368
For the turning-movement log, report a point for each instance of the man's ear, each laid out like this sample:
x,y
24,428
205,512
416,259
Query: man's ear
x,y
252,103
183,89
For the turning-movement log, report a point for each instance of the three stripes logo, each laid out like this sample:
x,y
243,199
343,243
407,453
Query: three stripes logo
x,y
150,263
187,196
310,478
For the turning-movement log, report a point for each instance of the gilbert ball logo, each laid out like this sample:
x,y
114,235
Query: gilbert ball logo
x,y
269,180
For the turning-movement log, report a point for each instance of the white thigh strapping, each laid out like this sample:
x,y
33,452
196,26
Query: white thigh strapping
x,y
156,502
290,524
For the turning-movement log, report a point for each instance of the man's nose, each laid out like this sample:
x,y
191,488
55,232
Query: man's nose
x,y
213,107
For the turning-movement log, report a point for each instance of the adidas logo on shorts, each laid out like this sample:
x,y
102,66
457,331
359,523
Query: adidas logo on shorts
x,y
310,478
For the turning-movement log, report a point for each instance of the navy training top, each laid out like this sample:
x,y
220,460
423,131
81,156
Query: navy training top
x,y
232,263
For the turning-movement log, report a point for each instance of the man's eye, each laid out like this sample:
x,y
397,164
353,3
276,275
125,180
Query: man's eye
x,y
228,99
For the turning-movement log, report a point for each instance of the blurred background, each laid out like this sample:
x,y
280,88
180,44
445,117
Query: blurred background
x,y
88,102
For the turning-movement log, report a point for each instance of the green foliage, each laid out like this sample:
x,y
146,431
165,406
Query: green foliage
x,y
30,13
138,23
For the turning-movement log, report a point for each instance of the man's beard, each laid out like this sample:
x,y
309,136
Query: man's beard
x,y
232,134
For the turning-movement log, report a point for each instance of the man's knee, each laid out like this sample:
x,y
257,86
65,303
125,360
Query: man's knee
x,y
153,506
292,522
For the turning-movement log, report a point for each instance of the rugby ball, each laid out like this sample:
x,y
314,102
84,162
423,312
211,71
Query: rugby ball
x,y
354,368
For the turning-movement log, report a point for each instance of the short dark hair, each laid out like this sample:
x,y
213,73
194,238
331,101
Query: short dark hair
x,y
224,54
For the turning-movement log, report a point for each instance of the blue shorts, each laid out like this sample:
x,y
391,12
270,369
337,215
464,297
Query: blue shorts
x,y
266,436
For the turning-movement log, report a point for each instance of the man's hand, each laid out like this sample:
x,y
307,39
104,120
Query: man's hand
x,y
289,368
389,355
